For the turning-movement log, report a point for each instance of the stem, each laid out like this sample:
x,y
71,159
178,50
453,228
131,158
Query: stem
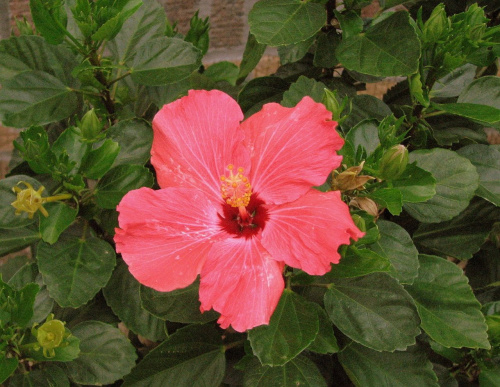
x,y
433,114
119,77
105,95
58,197
234,344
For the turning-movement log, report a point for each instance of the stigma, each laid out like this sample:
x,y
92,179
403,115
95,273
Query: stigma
x,y
235,188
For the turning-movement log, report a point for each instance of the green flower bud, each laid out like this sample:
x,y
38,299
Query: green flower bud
x,y
393,162
90,126
436,26
50,335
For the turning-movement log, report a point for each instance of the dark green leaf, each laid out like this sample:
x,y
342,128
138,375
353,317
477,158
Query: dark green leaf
x,y
192,356
450,313
462,236
135,138
303,87
16,239
486,159
260,91
292,328
282,22
364,134
487,115
75,269
48,19
180,305
7,367
366,107
325,341
452,84
366,367
51,376
390,198
294,52
415,184
222,71
350,23
251,57
325,50
396,245
118,181
456,182
67,352
35,98
122,295
165,60
8,218
105,354
388,48
60,218
300,371
147,23
374,311
69,144
98,161
20,305
113,25
359,262
483,91
489,377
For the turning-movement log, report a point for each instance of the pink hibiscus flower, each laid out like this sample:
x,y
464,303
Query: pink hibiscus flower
x,y
236,204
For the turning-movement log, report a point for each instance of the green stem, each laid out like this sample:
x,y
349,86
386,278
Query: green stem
x,y
118,78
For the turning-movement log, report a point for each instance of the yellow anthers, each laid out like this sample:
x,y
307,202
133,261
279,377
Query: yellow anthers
x,y
235,188
30,201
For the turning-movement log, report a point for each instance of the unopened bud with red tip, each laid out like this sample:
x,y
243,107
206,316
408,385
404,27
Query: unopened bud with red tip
x,y
393,162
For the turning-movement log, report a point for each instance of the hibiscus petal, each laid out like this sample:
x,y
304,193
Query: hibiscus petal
x,y
165,235
195,138
241,282
307,232
291,149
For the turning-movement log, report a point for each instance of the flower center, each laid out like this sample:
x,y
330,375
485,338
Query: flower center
x,y
235,188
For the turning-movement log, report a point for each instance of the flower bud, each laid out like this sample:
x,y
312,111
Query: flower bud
x,y
90,126
50,335
350,179
365,204
393,162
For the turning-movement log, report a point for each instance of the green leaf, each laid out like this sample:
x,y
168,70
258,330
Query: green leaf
x,y
25,53
49,376
324,56
192,356
359,262
251,57
292,328
374,311
456,182
482,91
48,19
364,134
300,371
350,23
8,218
60,218
388,48
180,305
16,239
147,23
489,377
486,159
325,341
294,52
135,138
260,91
390,198
454,83
282,22
114,24
367,367
164,60
122,295
19,306
7,367
450,313
487,115
35,98
105,354
67,352
396,245
222,71
462,236
69,144
415,184
303,87
98,161
74,268
366,107
118,181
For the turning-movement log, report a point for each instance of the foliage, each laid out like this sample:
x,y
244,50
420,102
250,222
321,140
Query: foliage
x,y
421,180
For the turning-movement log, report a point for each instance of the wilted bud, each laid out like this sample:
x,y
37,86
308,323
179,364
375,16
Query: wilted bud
x,y
365,204
50,335
349,179
393,162
90,126
436,26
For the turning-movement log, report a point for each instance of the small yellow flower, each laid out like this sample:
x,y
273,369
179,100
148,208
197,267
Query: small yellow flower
x,y
30,201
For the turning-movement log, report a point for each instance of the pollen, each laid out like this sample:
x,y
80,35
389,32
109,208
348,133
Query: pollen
x,y
235,188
